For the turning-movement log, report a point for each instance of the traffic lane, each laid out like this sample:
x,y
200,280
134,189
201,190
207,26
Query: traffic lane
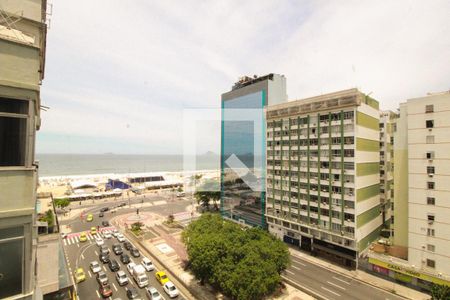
x,y
332,284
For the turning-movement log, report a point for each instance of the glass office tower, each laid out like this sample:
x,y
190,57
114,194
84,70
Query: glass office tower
x,y
243,147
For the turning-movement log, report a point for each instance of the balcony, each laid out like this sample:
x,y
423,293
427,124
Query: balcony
x,y
17,186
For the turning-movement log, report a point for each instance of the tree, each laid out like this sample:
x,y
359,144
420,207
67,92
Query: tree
x,y
61,202
440,292
202,198
244,263
136,227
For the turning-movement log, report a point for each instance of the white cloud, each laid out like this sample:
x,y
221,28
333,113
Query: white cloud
x,y
126,70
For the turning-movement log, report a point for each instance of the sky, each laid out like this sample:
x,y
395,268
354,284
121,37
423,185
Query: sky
x,y
120,74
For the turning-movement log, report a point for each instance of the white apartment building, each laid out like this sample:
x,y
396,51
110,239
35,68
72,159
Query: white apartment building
x,y
428,138
323,174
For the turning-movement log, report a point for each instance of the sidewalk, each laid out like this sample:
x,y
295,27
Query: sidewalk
x,y
365,277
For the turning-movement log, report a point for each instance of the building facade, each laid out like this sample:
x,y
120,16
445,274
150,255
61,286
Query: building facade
x,y
387,128
22,59
243,147
323,174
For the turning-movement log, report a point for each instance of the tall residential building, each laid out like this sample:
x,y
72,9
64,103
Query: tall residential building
x,y
22,59
243,147
387,128
428,123
323,174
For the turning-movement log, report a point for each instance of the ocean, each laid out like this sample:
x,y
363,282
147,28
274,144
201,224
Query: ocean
x,y
89,164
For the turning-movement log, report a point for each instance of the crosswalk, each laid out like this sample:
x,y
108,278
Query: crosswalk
x,y
74,239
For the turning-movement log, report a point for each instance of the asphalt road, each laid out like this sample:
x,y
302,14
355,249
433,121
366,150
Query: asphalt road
x,y
331,285
80,254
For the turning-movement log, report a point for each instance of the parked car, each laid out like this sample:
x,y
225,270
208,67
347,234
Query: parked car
x,y
170,289
134,252
104,258
103,209
117,249
120,238
101,215
95,266
113,265
148,265
161,277
127,245
105,291
105,223
130,267
79,275
104,249
153,293
125,258
132,293
107,234
121,278
115,232
121,204
102,278
99,241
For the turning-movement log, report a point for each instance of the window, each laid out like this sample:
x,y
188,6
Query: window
x,y
431,263
429,123
429,108
430,170
430,231
431,248
11,246
430,139
430,185
430,154
430,201
13,131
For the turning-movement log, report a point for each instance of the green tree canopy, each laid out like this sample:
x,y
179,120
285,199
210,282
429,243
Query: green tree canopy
x,y
61,202
440,292
244,263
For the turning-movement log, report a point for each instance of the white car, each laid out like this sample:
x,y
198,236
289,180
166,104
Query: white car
x,y
121,278
99,241
95,267
148,265
115,232
153,293
130,267
107,234
120,238
170,289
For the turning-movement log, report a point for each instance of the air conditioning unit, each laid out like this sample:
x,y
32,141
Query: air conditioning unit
x,y
430,175
430,222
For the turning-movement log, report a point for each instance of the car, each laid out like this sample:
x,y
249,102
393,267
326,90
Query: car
x,y
83,237
102,278
134,252
122,204
93,230
113,265
105,223
95,266
132,293
104,258
117,249
115,232
170,289
104,249
181,194
90,218
120,238
121,278
125,258
79,275
63,235
105,291
106,234
99,241
130,267
148,265
103,209
127,245
153,293
101,215
161,277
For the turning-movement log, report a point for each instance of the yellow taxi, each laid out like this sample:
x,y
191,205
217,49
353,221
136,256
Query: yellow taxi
x,y
83,237
93,230
90,218
161,277
79,275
